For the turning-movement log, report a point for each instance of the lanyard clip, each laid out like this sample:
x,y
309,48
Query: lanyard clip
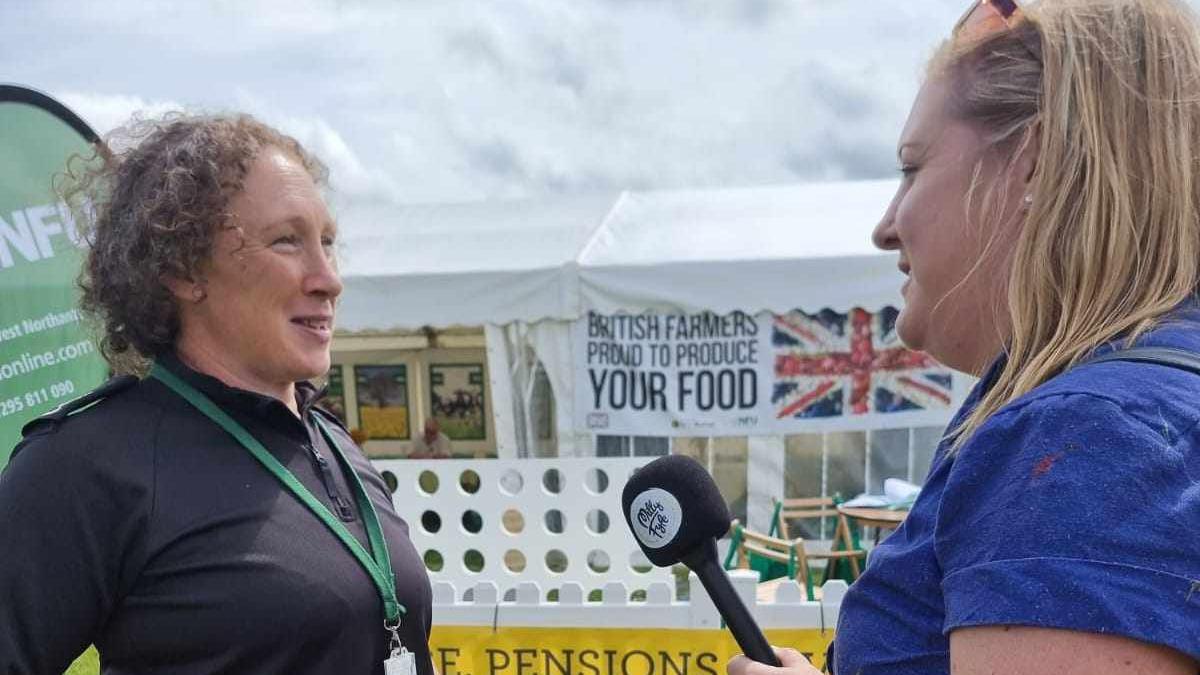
x,y
394,646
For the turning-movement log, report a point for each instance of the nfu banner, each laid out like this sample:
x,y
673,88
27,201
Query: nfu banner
x,y
737,374
46,357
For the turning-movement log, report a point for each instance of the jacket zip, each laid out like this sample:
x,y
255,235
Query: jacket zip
x,y
326,473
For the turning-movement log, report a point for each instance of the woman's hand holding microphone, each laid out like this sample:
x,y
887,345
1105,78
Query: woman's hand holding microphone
x,y
793,663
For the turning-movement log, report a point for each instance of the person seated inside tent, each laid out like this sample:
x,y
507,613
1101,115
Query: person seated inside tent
x,y
432,443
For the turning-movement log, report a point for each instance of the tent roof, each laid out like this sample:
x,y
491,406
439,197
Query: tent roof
x,y
469,238
764,248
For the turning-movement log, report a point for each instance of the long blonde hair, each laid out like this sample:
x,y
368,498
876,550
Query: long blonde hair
x,y
1109,90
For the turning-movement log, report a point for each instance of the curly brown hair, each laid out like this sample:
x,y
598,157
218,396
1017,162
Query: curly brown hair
x,y
156,205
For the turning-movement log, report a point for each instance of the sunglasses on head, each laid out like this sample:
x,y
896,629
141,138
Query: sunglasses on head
x,y
987,16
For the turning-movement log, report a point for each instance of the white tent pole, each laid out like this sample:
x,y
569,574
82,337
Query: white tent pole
x,y
527,406
500,381
522,370
552,343
764,479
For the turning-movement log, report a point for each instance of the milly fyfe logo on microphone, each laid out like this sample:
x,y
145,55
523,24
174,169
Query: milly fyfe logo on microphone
x,y
656,517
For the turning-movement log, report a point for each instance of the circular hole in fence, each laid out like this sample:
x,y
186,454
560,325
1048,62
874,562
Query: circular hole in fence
x,y
514,560
473,561
472,522
431,522
598,561
595,595
596,481
389,479
556,561
511,482
552,481
638,562
433,561
597,521
428,482
513,521
469,482
556,522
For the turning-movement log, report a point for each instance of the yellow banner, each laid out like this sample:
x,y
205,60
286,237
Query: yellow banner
x,y
478,650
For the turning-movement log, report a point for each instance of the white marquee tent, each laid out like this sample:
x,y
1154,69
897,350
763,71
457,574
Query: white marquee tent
x,y
751,249
526,269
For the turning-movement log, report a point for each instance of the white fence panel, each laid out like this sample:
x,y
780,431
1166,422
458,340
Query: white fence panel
x,y
786,609
547,521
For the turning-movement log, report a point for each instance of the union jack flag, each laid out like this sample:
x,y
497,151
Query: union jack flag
x,y
828,362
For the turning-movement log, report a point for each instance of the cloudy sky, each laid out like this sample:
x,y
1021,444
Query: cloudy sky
x,y
455,100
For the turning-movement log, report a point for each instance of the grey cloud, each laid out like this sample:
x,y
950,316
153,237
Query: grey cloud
x,y
760,12
463,99
564,69
495,157
843,157
523,52
845,99
476,45
833,122
750,12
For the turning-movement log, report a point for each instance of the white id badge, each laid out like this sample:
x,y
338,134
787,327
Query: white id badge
x,y
400,663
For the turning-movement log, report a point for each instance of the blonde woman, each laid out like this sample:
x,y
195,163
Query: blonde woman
x,y
1049,215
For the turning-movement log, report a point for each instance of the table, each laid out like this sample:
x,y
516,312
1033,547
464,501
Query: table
x,y
878,518
888,519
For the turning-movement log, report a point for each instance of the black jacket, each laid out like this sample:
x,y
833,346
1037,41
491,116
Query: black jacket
x,y
141,526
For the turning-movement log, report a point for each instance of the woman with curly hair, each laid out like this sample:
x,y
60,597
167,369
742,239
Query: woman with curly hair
x,y
1048,224
209,517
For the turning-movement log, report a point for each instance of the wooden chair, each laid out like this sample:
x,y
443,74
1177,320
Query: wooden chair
x,y
845,546
761,552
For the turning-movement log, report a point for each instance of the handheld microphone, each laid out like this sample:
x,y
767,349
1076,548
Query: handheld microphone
x,y
676,514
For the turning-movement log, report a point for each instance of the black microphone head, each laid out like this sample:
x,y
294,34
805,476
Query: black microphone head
x,y
673,506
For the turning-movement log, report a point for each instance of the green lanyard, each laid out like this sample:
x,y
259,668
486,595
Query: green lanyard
x,y
378,563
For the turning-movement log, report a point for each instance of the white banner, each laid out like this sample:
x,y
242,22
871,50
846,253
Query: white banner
x,y
737,375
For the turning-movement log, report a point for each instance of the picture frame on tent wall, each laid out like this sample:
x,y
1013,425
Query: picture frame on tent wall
x,y
456,400
334,399
381,392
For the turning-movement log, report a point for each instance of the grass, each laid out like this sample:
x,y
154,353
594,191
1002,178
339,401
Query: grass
x,y
464,429
88,663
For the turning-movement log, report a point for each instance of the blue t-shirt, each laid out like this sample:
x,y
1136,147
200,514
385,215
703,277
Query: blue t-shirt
x,y
1076,506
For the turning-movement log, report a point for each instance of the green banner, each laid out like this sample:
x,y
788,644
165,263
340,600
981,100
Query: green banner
x,y
46,355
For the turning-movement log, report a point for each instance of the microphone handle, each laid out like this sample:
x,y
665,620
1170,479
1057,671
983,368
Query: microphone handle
x,y
753,643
